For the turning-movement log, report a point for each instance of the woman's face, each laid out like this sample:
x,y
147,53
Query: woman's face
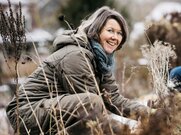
x,y
110,36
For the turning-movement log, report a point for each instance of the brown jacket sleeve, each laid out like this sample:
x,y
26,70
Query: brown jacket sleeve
x,y
116,102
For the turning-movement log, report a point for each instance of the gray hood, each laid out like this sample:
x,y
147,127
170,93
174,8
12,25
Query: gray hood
x,y
70,37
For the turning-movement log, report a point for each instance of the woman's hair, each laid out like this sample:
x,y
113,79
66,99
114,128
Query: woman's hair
x,y
94,24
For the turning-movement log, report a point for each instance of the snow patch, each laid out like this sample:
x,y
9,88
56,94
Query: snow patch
x,y
39,35
138,29
162,9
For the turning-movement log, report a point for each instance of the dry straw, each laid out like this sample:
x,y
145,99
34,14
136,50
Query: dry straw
x,y
158,56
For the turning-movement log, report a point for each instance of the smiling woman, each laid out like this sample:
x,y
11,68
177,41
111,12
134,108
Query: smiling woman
x,y
75,84
110,36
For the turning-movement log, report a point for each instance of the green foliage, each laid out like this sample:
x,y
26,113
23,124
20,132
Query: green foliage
x,y
75,11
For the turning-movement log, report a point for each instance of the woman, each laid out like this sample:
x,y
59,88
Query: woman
x,y
75,84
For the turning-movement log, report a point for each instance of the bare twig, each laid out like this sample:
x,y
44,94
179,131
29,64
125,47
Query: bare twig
x,y
12,30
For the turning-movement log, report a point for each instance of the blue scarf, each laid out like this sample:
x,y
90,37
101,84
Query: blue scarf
x,y
104,61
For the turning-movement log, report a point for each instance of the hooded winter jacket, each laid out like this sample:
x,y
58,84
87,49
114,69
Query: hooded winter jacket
x,y
70,69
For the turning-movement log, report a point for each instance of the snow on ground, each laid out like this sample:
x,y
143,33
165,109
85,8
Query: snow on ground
x,y
38,35
163,8
130,122
16,2
156,14
138,30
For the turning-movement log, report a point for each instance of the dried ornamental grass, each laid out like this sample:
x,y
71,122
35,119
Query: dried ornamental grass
x,y
167,119
158,56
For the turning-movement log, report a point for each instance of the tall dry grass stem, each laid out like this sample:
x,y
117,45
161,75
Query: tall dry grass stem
x,y
12,30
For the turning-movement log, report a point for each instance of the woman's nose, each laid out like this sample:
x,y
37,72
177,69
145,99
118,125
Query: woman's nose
x,y
115,36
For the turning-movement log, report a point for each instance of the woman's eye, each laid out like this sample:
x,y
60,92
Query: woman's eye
x,y
120,33
111,31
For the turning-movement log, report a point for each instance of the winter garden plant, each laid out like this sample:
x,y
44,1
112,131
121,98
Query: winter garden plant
x,y
167,120
12,30
158,56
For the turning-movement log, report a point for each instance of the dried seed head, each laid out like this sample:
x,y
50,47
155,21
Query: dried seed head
x,y
61,17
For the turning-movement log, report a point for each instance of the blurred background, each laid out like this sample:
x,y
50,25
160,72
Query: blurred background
x,y
148,21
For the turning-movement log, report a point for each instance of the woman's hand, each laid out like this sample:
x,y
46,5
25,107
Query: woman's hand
x,y
143,121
